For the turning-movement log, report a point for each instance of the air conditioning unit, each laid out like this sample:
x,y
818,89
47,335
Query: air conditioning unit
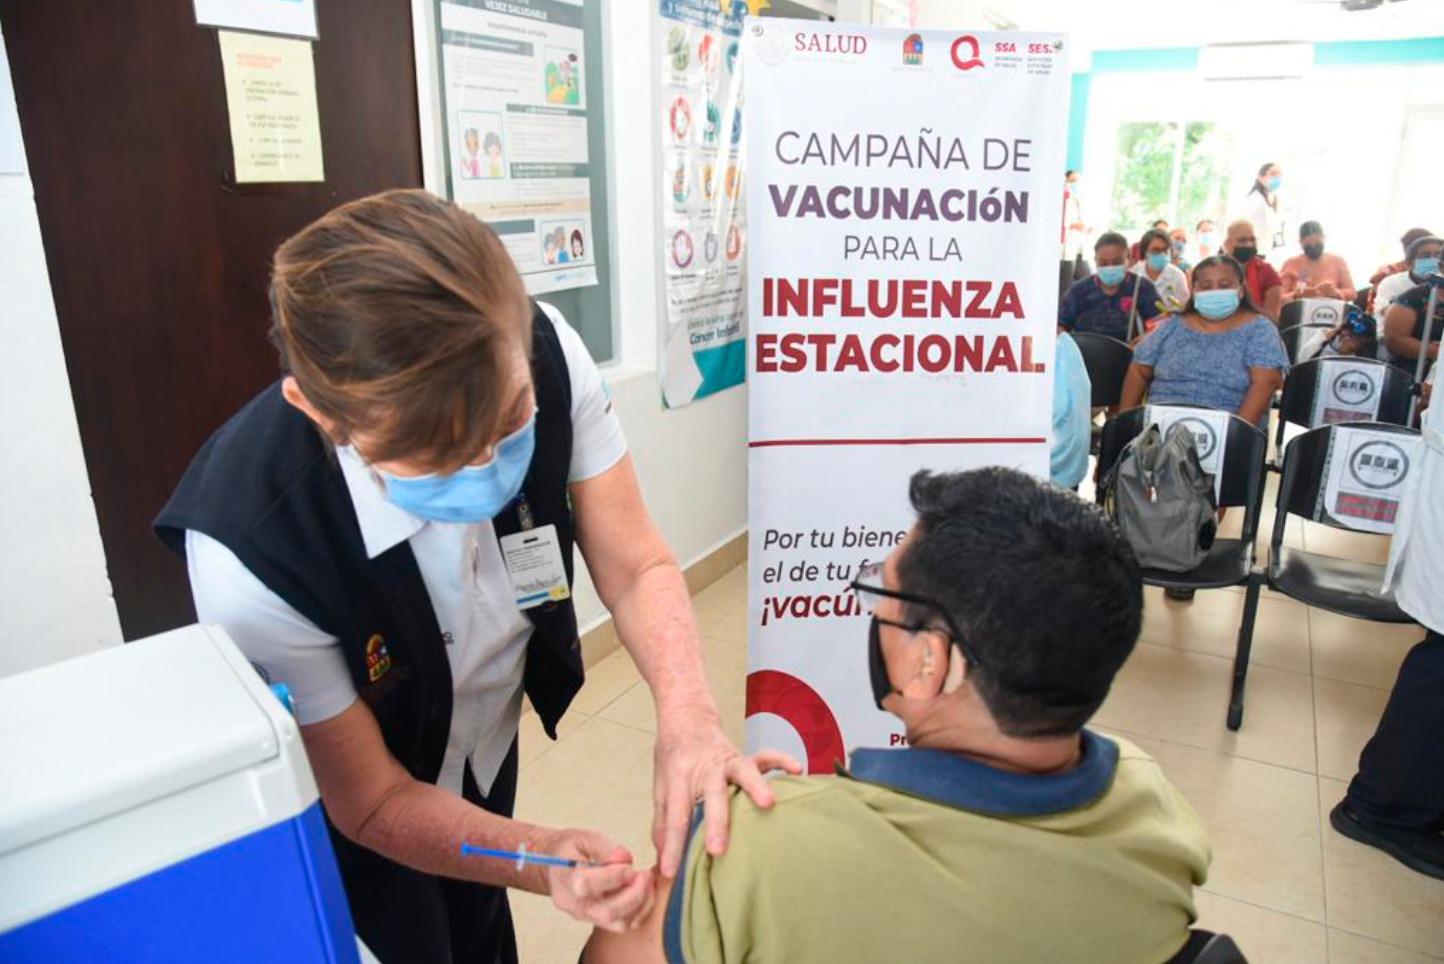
x,y
1261,61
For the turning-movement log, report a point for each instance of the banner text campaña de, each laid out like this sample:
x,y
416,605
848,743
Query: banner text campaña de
x,y
881,299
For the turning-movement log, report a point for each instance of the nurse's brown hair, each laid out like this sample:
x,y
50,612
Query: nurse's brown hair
x,y
400,316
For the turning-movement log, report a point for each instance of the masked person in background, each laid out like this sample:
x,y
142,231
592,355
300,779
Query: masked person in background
x,y
1206,239
1178,237
1158,267
1265,287
1422,259
1316,273
1111,302
1394,267
998,626
1262,208
388,529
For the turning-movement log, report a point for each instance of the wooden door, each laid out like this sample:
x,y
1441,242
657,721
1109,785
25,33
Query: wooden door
x,y
158,259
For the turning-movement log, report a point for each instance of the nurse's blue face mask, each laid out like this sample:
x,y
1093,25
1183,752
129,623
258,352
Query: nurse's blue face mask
x,y
475,493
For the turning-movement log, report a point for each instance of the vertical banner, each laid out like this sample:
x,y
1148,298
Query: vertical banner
x,y
902,296
704,234
516,121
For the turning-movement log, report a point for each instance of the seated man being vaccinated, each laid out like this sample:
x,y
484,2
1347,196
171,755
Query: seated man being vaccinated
x,y
1006,830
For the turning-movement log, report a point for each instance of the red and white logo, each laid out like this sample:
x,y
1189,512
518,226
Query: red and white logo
x,y
966,52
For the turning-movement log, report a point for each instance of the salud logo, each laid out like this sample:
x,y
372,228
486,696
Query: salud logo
x,y
913,50
966,52
1353,387
1379,465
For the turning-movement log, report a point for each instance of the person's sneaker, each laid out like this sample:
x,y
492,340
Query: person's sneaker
x,y
1179,595
1420,850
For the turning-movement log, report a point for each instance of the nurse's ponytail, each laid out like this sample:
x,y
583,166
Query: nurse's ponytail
x,y
401,317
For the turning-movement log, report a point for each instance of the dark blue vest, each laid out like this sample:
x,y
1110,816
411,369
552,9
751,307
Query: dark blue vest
x,y
268,487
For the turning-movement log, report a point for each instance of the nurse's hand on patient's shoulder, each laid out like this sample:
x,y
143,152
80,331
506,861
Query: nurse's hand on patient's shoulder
x,y
615,897
694,761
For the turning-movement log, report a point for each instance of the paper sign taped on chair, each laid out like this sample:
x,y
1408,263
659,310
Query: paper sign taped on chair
x,y
1367,471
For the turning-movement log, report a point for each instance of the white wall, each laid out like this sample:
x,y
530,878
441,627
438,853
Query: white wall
x,y
55,597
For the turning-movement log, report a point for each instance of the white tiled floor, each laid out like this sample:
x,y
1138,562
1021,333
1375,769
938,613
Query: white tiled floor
x,y
1283,883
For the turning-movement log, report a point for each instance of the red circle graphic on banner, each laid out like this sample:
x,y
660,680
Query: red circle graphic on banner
x,y
784,695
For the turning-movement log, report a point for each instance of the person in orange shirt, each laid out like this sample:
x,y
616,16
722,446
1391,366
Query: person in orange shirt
x,y
1316,273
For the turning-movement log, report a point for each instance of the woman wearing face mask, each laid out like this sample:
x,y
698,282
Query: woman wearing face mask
x,y
1423,259
1219,351
1157,266
1178,237
1262,207
388,529
1206,234
1316,273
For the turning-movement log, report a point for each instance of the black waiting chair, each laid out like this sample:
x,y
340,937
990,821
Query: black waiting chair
x,y
1302,388
1322,313
1206,947
1296,336
1230,562
1107,360
1343,586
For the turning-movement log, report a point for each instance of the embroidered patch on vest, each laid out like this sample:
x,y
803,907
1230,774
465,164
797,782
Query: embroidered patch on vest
x,y
378,659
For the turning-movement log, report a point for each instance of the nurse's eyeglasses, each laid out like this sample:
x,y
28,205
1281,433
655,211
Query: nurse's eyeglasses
x,y
870,591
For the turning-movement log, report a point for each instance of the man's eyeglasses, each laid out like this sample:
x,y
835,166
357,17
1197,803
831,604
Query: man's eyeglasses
x,y
870,591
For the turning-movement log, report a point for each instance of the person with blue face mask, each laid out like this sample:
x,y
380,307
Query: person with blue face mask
x,y
1111,302
1421,259
389,530
1156,264
1263,208
1219,351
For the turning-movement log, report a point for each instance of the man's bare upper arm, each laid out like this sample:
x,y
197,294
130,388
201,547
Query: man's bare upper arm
x,y
640,946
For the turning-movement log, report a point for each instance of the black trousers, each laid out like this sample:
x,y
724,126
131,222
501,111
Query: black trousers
x,y
1400,781
407,917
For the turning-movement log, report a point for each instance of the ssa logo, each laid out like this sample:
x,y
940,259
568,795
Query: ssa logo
x,y
913,50
966,52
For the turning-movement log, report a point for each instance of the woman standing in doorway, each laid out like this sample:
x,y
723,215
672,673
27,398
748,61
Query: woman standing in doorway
x,y
1263,208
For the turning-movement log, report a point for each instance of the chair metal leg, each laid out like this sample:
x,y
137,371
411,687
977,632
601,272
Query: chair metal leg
x,y
1245,647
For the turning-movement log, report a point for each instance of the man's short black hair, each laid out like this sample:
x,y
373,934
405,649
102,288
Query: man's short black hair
x,y
1044,586
1110,237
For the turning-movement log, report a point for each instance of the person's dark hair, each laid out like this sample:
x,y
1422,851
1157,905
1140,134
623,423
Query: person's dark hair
x,y
1158,222
1068,173
1110,237
1310,227
1046,589
399,315
493,139
1212,261
1257,187
1412,235
577,239
1150,236
1199,225
1414,247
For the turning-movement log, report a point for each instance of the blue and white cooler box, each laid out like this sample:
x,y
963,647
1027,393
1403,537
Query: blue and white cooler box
x,y
157,806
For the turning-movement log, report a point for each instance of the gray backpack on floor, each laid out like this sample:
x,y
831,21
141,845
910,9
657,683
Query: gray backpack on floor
x,y
1162,500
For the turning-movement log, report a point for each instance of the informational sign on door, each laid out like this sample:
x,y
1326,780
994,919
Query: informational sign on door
x,y
516,122
271,100
1348,392
704,256
1367,474
902,293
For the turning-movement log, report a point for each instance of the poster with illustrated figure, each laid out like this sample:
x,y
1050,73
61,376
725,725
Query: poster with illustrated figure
x,y
902,288
704,233
516,131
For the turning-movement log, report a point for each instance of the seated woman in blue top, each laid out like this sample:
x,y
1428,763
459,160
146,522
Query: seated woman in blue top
x,y
1220,351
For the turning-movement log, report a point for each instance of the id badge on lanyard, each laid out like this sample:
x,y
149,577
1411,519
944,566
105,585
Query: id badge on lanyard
x,y
534,562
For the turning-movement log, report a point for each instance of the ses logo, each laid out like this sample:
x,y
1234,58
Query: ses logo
x,y
966,53
1379,465
1204,436
1353,387
913,50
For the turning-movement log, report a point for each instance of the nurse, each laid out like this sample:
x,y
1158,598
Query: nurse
x,y
1396,801
389,530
